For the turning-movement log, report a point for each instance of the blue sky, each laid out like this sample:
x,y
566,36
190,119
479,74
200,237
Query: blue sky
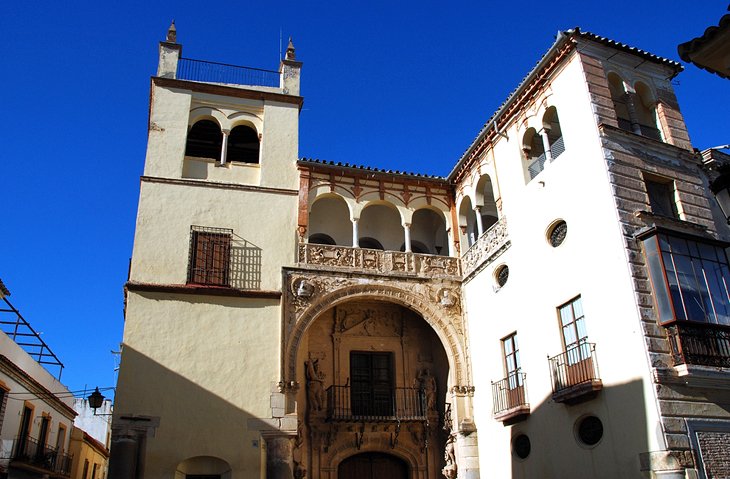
x,y
401,85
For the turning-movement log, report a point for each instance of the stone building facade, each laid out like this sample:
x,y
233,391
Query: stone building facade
x,y
531,314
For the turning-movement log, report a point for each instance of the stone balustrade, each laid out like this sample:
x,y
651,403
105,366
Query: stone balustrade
x,y
376,261
489,245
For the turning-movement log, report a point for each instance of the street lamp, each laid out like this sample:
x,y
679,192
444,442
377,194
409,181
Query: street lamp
x,y
96,400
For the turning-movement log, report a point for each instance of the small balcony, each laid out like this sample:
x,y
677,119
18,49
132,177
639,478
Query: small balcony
x,y
574,374
510,399
486,248
392,405
365,260
699,344
29,454
212,72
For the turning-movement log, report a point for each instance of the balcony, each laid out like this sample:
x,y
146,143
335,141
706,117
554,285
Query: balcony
x,y
509,396
212,72
364,260
394,405
700,344
489,245
574,374
29,454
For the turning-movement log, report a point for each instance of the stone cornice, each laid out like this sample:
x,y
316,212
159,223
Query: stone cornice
x,y
42,393
201,290
229,91
211,184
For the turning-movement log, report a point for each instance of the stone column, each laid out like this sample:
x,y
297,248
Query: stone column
x,y
279,456
546,146
123,458
355,240
224,146
407,233
480,226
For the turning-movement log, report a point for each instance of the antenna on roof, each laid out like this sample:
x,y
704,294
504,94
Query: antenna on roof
x,y
280,55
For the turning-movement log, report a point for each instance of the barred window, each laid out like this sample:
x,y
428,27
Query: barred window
x,y
210,254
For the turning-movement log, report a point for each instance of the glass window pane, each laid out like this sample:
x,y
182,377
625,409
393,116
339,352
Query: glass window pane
x,y
565,315
707,251
677,300
690,289
508,346
569,335
679,246
578,308
581,327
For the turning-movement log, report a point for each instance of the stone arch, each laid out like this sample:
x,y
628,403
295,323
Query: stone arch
x,y
347,449
203,465
451,339
208,113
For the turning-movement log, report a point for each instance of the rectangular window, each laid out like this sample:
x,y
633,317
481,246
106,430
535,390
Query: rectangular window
x,y
575,336
210,254
86,469
371,376
512,365
690,279
661,197
61,438
93,471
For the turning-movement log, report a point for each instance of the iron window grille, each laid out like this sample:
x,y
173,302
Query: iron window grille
x,y
210,256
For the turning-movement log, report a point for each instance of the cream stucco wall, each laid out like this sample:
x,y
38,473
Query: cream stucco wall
x,y
207,394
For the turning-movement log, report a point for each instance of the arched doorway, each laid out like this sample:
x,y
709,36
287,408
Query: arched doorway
x,y
372,465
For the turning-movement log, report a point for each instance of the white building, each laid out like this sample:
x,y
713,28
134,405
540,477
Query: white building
x,y
561,295
36,410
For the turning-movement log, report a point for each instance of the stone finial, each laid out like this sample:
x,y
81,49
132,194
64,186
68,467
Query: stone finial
x,y
172,33
290,51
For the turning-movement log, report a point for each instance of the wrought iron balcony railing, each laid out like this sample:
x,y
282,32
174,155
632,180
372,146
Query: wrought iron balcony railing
x,y
699,344
574,374
377,261
509,398
27,450
486,247
345,403
213,72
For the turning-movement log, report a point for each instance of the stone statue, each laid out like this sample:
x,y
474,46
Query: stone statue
x,y
428,385
450,469
315,385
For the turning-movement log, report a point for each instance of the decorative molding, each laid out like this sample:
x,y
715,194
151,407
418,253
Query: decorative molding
x,y
215,184
201,290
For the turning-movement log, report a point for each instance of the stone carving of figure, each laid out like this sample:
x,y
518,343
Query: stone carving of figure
x,y
450,470
428,384
315,385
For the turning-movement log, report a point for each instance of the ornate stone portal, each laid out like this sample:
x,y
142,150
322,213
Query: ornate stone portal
x,y
411,327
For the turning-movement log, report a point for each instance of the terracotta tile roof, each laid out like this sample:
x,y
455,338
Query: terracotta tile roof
x,y
316,161
627,48
686,49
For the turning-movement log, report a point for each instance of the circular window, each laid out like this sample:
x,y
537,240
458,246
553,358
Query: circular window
x,y
502,274
590,430
557,232
521,446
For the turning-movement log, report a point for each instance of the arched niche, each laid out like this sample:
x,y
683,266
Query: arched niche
x,y
330,216
467,222
534,153
381,221
428,232
243,145
210,466
487,201
205,140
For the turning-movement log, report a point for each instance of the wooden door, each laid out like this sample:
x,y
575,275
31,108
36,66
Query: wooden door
x,y
372,465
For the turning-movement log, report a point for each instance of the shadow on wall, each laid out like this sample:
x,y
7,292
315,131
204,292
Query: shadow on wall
x,y
193,420
245,264
599,438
